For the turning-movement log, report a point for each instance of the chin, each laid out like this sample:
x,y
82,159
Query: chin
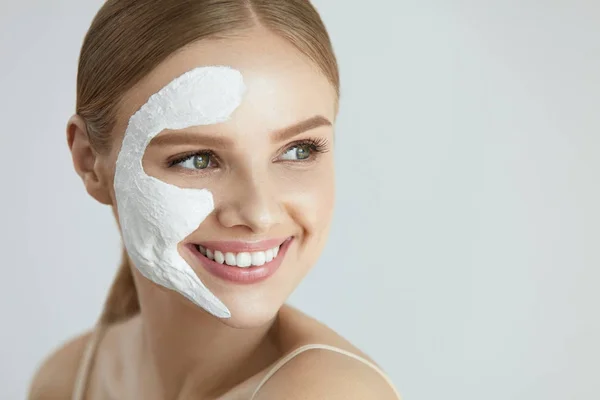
x,y
245,316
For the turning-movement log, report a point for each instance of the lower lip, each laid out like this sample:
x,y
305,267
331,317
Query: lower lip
x,y
242,275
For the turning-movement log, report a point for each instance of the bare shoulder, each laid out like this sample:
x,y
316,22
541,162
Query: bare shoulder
x,y
324,374
55,377
320,373
298,329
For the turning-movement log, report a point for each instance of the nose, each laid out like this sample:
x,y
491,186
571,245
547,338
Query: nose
x,y
251,203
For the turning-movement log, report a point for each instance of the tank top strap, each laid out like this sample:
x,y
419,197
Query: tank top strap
x,y
307,347
87,360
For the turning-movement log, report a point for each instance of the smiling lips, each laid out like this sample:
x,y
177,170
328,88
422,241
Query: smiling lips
x,y
242,262
243,259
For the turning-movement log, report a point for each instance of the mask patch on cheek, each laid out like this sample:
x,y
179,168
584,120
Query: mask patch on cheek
x,y
156,216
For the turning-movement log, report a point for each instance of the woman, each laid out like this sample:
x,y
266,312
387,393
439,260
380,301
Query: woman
x,y
207,126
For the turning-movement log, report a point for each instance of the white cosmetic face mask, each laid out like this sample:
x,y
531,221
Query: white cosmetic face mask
x,y
156,216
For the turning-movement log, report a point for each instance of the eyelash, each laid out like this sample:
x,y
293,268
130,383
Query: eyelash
x,y
316,145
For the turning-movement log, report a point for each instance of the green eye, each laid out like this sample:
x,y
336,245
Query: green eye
x,y
298,152
195,161
303,152
201,161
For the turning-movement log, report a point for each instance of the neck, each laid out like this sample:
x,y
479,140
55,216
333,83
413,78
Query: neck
x,y
185,349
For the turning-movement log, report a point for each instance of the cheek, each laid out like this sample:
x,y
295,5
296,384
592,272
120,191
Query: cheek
x,y
311,197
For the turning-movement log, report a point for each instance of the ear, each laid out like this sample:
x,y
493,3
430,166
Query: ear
x,y
86,161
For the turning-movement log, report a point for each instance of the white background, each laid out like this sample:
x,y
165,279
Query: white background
x,y
465,251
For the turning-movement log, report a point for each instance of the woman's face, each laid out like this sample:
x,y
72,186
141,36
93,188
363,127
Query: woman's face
x,y
269,168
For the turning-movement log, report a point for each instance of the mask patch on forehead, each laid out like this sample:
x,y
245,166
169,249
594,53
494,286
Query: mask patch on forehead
x,y
156,216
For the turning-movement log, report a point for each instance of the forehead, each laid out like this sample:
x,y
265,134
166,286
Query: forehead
x,y
282,84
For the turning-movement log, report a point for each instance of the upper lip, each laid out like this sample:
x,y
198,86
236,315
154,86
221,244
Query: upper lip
x,y
235,246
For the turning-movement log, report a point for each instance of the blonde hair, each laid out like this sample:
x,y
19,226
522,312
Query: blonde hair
x,y
129,38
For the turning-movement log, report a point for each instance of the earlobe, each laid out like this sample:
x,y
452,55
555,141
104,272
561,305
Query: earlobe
x,y
85,160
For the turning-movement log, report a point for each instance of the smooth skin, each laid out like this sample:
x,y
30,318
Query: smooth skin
x,y
264,188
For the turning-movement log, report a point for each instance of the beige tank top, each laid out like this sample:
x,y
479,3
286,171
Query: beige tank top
x,y
92,345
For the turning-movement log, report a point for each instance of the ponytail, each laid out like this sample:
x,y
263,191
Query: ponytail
x,y
122,301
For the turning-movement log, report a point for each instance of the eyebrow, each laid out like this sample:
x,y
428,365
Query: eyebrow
x,y
301,127
183,137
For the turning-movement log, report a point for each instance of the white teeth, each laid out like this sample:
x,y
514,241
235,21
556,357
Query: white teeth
x,y
219,257
269,255
243,259
230,259
258,258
